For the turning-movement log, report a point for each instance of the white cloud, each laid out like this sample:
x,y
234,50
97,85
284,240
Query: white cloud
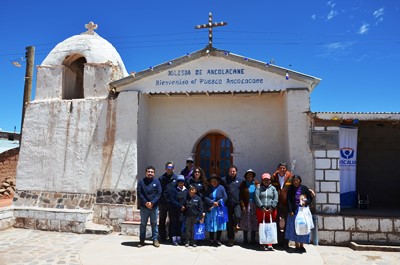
x,y
332,14
363,29
331,4
336,50
314,16
379,12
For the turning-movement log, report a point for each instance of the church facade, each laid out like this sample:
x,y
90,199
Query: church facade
x,y
93,128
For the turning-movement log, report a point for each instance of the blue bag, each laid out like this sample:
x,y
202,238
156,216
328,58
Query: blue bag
x,y
199,231
222,213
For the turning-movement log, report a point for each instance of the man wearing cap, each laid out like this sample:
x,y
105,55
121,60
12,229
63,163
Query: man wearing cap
x,y
149,192
282,180
187,172
168,181
231,184
177,207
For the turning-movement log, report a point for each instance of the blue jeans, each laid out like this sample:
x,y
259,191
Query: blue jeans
x,y
145,214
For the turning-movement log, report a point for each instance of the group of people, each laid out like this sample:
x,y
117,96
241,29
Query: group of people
x,y
191,198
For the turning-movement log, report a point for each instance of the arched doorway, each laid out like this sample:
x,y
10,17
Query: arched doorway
x,y
214,154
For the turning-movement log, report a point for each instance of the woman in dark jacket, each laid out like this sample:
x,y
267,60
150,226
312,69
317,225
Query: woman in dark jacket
x,y
298,196
215,197
199,180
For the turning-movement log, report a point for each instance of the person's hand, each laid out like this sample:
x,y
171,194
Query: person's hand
x,y
182,208
292,213
149,205
201,220
215,204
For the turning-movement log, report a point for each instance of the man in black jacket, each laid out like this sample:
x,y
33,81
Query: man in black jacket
x,y
168,181
149,192
231,184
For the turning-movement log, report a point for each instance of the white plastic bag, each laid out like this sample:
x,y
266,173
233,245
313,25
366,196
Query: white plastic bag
x,y
300,223
308,216
267,232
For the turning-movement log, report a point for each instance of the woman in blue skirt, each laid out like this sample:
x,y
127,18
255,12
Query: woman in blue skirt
x,y
298,195
215,197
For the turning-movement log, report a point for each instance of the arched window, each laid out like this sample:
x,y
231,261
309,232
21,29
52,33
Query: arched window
x,y
73,76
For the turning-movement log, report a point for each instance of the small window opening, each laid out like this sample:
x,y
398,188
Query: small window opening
x,y
73,77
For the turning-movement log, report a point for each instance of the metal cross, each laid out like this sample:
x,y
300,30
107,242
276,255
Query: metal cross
x,y
91,27
210,25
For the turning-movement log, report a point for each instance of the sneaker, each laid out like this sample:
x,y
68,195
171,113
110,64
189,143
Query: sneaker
x,y
187,244
175,243
218,243
194,245
156,243
270,248
230,243
140,244
302,249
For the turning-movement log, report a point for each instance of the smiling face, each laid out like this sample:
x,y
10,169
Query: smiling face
x,y
296,182
282,170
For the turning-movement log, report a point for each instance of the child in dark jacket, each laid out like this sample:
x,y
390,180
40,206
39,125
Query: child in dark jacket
x,y
194,213
178,206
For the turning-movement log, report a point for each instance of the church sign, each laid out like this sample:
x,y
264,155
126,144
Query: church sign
x,y
221,76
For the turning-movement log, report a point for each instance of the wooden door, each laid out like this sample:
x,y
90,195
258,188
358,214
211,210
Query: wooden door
x,y
214,154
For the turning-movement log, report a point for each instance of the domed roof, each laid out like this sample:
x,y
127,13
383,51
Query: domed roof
x,y
94,48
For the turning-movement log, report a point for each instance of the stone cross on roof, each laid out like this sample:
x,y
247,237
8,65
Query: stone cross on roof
x,y
90,28
210,25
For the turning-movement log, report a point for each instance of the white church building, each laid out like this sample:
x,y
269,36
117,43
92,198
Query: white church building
x,y
92,129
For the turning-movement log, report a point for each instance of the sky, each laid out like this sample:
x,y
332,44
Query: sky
x,y
352,46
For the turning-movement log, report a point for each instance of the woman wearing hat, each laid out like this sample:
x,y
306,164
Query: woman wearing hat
x,y
266,198
246,197
215,197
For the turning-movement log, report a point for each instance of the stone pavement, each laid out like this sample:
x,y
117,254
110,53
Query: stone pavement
x,y
33,247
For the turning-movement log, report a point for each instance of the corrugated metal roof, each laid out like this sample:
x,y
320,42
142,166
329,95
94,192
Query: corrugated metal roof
x,y
362,116
6,145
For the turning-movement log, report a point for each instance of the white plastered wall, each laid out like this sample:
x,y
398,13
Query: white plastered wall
x,y
299,124
79,145
255,125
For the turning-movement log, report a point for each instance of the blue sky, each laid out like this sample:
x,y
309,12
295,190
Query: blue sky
x,y
353,46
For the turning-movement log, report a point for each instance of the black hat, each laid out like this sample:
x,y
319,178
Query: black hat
x,y
214,176
250,171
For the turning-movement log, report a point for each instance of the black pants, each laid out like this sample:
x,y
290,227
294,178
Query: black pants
x,y
283,213
163,213
175,221
235,214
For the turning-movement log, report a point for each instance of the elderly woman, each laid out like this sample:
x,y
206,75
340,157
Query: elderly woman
x,y
246,198
298,195
266,198
215,197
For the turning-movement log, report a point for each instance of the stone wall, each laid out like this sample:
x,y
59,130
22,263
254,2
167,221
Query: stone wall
x,y
327,178
6,218
58,200
62,220
340,230
114,215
